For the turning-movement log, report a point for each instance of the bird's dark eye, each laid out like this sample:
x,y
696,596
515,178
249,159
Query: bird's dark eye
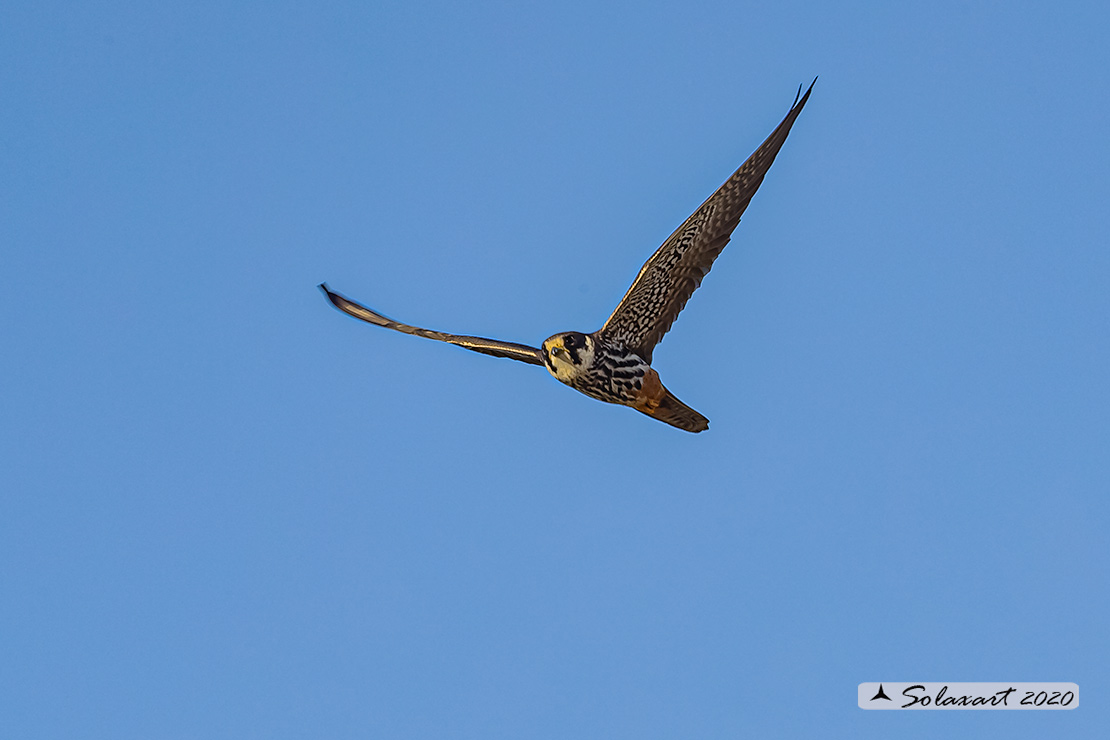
x,y
569,340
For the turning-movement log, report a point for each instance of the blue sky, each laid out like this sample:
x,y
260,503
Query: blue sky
x,y
229,511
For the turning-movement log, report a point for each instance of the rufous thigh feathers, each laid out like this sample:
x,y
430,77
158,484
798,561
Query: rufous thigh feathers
x,y
659,403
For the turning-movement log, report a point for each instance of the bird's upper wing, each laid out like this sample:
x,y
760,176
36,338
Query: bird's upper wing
x,y
513,351
676,269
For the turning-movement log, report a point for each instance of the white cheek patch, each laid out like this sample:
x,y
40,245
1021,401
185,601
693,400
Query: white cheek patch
x,y
561,368
560,361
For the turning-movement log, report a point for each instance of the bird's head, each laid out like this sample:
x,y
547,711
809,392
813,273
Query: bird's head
x,y
568,354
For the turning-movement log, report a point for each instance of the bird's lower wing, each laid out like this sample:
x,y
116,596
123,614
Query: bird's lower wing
x,y
511,350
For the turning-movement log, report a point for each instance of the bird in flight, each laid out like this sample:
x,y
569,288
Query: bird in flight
x,y
613,364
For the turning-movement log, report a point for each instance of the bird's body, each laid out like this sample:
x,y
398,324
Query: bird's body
x,y
613,364
610,372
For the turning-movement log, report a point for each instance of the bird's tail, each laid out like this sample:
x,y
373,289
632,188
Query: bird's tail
x,y
659,403
677,414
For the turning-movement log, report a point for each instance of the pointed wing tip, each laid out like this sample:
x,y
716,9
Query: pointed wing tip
x,y
344,304
333,298
799,99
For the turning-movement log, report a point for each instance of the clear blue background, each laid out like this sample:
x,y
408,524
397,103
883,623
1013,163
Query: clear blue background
x,y
228,511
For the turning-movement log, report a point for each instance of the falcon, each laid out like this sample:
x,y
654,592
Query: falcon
x,y
613,364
